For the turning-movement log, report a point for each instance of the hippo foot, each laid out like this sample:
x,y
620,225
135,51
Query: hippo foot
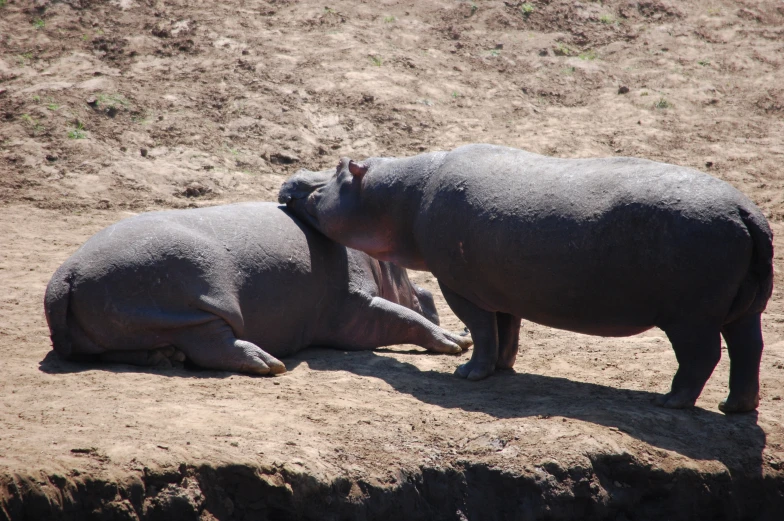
x,y
473,370
248,359
441,341
462,341
676,400
506,361
504,366
734,405
255,360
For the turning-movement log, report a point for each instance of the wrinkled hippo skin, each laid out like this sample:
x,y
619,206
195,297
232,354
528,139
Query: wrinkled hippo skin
x,y
608,247
230,288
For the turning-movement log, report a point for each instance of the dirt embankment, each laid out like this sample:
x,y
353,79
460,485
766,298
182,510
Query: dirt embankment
x,y
614,487
112,108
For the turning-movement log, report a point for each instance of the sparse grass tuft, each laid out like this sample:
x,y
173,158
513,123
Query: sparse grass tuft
x,y
704,63
141,118
36,126
455,94
568,70
2,3
662,104
112,100
38,23
389,19
589,55
561,49
527,9
494,52
78,131
607,19
24,58
376,60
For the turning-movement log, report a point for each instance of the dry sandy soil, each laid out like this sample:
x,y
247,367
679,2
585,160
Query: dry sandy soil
x,y
110,108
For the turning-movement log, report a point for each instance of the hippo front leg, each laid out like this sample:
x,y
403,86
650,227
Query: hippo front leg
x,y
483,326
386,323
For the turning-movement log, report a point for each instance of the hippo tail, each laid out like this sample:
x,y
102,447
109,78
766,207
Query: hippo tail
x,y
757,287
56,301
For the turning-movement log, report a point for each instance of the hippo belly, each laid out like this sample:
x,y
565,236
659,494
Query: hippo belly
x,y
613,251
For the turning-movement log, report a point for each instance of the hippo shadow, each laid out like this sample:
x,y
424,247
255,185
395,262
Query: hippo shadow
x,y
735,440
53,363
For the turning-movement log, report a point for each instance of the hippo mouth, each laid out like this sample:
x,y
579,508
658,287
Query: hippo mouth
x,y
299,194
304,208
289,196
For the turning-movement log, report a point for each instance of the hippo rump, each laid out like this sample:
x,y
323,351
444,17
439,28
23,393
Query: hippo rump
x,y
230,288
608,247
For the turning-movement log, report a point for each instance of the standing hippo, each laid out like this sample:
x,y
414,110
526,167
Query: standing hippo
x,y
231,288
608,247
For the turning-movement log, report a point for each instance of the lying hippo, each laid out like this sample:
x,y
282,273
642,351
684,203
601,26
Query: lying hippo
x,y
608,247
231,288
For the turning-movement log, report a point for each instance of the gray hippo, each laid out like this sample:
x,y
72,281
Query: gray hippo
x,y
608,247
230,288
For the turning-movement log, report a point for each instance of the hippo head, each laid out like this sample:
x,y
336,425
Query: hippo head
x,y
349,207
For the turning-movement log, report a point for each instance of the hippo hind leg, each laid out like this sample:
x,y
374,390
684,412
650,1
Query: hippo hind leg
x,y
508,339
698,350
212,345
744,345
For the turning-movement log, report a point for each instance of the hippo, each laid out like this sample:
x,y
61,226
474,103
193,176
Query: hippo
x,y
230,288
608,247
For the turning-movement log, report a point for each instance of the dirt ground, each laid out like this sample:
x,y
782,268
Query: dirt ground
x,y
110,108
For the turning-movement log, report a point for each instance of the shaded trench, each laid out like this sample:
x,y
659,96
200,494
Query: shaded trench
x,y
614,487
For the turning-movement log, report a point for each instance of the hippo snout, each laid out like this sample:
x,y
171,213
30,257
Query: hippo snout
x,y
289,192
302,184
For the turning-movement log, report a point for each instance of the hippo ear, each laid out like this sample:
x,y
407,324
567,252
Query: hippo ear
x,y
357,169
